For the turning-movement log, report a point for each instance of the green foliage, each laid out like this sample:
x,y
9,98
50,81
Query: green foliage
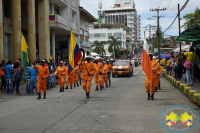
x,y
114,45
99,47
191,18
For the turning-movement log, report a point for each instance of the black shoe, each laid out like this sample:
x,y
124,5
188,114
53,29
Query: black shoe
x,y
156,89
39,96
148,98
159,87
66,87
77,84
63,89
70,87
109,84
60,90
100,87
152,96
74,85
88,95
97,88
106,85
44,96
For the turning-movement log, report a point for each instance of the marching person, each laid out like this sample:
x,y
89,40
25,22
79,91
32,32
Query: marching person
x,y
98,67
109,68
61,72
103,72
158,72
43,73
155,67
88,71
75,75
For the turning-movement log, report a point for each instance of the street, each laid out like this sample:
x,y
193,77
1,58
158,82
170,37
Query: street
x,y
121,108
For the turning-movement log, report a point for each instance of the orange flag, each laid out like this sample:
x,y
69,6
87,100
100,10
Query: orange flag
x,y
146,63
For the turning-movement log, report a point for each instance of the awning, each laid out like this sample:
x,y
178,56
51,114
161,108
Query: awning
x,y
192,34
86,49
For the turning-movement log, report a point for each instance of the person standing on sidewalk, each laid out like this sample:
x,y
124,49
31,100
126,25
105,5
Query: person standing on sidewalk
x,y
190,56
109,68
61,72
43,73
16,78
9,78
33,83
88,71
3,79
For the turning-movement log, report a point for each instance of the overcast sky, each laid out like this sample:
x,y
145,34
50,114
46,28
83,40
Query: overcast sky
x,y
143,6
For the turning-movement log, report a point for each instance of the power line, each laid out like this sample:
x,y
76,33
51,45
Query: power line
x,y
167,9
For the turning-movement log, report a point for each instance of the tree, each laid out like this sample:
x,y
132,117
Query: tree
x,y
99,47
114,45
191,18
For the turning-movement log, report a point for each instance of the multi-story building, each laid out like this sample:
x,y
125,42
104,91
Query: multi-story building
x,y
150,30
43,36
124,11
116,30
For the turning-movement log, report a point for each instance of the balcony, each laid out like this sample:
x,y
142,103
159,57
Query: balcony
x,y
62,23
128,44
128,49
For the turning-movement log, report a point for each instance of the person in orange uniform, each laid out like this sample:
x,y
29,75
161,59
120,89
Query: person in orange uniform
x,y
69,79
88,70
158,76
103,72
43,73
155,67
75,75
109,68
61,72
98,67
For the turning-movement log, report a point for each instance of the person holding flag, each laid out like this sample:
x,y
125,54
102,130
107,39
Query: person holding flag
x,y
43,73
88,70
61,72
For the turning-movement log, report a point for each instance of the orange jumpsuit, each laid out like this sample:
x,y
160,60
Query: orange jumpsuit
x,y
87,67
61,71
104,75
98,67
155,67
43,72
69,79
158,76
75,74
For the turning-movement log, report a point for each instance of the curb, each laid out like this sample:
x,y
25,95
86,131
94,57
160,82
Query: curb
x,y
193,95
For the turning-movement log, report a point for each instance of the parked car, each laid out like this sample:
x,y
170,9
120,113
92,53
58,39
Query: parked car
x,y
122,67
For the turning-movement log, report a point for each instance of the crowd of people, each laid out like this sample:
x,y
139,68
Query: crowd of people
x,y
46,75
185,62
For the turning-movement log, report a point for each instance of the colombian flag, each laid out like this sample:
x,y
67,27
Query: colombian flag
x,y
75,54
51,16
146,63
25,52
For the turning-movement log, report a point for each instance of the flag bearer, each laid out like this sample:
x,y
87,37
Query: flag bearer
x,y
98,67
88,71
61,72
43,73
155,67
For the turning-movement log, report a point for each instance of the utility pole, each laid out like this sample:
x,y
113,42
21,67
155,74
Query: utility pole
x,y
179,25
158,27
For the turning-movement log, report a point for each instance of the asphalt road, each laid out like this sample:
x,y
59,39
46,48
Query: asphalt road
x,y
121,108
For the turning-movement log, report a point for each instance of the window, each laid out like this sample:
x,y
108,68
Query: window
x,y
103,34
117,34
91,35
85,26
97,35
7,8
86,33
56,9
109,34
81,31
91,42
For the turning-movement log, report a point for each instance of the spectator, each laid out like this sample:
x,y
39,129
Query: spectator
x,y
167,66
190,56
28,80
3,78
171,62
33,83
51,59
179,68
16,78
9,78
52,70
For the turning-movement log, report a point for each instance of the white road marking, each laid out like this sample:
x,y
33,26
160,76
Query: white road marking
x,y
136,72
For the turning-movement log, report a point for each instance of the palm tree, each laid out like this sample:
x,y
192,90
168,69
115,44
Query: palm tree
x,y
99,47
114,45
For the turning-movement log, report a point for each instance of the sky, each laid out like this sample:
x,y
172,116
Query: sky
x,y
143,7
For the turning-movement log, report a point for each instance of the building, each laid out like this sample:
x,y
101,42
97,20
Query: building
x,y
85,20
124,11
116,30
150,30
44,36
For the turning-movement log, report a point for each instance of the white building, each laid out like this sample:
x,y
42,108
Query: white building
x,y
104,33
123,12
150,30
